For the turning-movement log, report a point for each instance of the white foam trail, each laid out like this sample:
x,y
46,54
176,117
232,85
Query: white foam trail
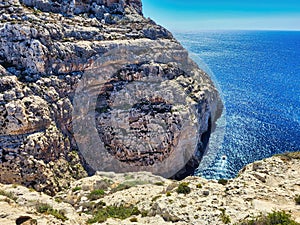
x,y
217,136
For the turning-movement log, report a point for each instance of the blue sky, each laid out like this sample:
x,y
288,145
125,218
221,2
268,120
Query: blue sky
x,y
193,15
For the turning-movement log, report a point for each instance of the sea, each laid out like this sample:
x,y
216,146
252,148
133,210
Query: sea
x,y
258,76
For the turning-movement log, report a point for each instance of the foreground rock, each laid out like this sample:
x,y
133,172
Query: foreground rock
x,y
261,187
153,107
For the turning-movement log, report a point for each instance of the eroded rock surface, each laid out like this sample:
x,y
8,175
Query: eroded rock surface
x,y
158,201
47,48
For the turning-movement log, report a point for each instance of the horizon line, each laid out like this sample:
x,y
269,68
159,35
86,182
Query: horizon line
x,y
233,29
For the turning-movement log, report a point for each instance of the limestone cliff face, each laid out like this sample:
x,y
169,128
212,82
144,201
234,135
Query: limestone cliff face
x,y
147,105
74,7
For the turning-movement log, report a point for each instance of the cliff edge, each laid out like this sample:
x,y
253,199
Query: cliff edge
x,y
267,186
91,86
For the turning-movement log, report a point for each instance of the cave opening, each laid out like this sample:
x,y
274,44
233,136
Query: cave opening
x,y
205,137
194,162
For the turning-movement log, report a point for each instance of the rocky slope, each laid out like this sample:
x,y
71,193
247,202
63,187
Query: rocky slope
x,y
93,85
261,187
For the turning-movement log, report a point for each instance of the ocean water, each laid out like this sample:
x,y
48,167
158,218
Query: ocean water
x,y
258,74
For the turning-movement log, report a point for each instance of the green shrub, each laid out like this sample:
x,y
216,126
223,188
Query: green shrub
x,y
281,218
144,213
199,186
274,218
31,189
129,177
77,188
96,194
8,195
159,183
297,200
224,217
58,199
183,188
47,209
155,198
100,204
99,217
168,194
120,212
121,187
128,184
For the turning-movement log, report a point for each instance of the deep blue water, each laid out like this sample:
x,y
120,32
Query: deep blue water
x,y
258,73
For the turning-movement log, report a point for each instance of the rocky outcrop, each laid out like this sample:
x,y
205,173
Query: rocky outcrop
x,y
93,85
97,8
261,187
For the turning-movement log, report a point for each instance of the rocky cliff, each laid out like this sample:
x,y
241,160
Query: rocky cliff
x,y
142,198
93,85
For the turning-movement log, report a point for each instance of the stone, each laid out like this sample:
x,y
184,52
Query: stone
x,y
25,220
205,193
